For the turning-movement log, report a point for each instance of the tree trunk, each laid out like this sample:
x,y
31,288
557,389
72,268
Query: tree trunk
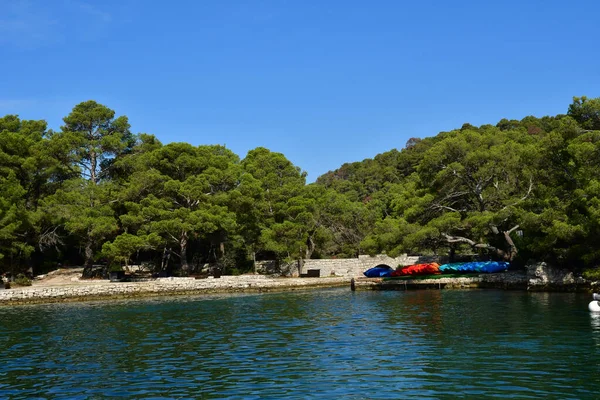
x,y
310,247
89,259
512,249
183,243
164,263
93,165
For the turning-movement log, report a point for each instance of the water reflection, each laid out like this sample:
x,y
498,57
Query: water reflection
x,y
328,344
595,324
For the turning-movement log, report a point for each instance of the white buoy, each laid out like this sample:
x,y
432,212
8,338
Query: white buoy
x,y
594,306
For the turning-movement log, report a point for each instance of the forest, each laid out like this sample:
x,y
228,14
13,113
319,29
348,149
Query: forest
x,y
94,193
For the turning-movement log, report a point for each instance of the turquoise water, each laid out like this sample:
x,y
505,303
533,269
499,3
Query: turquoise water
x,y
313,344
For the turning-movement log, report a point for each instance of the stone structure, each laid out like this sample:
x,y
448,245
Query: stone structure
x,y
104,289
343,267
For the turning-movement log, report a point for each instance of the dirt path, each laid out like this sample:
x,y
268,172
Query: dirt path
x,y
63,277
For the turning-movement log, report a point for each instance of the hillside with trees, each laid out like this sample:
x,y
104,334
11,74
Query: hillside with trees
x,y
96,193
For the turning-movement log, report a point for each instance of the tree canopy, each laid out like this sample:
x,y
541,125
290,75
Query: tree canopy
x,y
94,192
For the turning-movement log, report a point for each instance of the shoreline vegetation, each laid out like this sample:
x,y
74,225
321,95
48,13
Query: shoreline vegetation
x,y
96,193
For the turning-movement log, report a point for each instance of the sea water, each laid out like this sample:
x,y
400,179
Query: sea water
x,y
311,344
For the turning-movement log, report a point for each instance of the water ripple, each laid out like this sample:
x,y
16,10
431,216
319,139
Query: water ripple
x,y
317,344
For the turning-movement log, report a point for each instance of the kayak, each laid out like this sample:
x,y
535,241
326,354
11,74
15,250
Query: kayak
x,y
418,269
380,271
474,267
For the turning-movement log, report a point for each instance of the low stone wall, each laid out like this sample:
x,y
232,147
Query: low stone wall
x,y
162,286
354,267
343,267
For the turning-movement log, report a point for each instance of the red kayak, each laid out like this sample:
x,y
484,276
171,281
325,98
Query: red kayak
x,y
418,269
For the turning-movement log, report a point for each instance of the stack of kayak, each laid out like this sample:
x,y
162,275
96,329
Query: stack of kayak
x,y
477,267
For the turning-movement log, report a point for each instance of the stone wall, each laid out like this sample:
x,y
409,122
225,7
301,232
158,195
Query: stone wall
x,y
345,267
352,267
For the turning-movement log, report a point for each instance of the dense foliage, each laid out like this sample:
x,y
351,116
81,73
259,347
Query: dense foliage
x,y
93,192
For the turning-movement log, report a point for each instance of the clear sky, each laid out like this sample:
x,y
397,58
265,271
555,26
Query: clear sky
x,y
324,81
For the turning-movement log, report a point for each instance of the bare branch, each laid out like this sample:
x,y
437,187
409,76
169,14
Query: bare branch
x,y
439,206
455,194
50,238
489,247
505,255
522,198
458,239
483,183
511,230
174,253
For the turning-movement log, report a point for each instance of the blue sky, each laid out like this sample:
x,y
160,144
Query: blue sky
x,y
323,82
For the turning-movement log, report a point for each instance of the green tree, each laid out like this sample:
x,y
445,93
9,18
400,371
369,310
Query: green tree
x,y
90,141
279,181
586,112
183,193
27,175
123,247
481,175
86,212
13,217
94,136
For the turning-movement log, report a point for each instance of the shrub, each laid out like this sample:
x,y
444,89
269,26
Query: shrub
x,y
592,274
115,267
22,280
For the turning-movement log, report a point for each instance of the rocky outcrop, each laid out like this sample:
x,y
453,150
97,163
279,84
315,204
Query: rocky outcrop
x,y
541,276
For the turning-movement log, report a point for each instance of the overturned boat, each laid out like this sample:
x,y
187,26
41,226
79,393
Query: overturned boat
x,y
474,267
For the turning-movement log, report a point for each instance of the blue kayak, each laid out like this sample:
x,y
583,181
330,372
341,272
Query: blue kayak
x,y
474,267
380,271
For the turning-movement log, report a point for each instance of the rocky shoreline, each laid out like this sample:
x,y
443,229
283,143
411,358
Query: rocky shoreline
x,y
104,289
537,277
